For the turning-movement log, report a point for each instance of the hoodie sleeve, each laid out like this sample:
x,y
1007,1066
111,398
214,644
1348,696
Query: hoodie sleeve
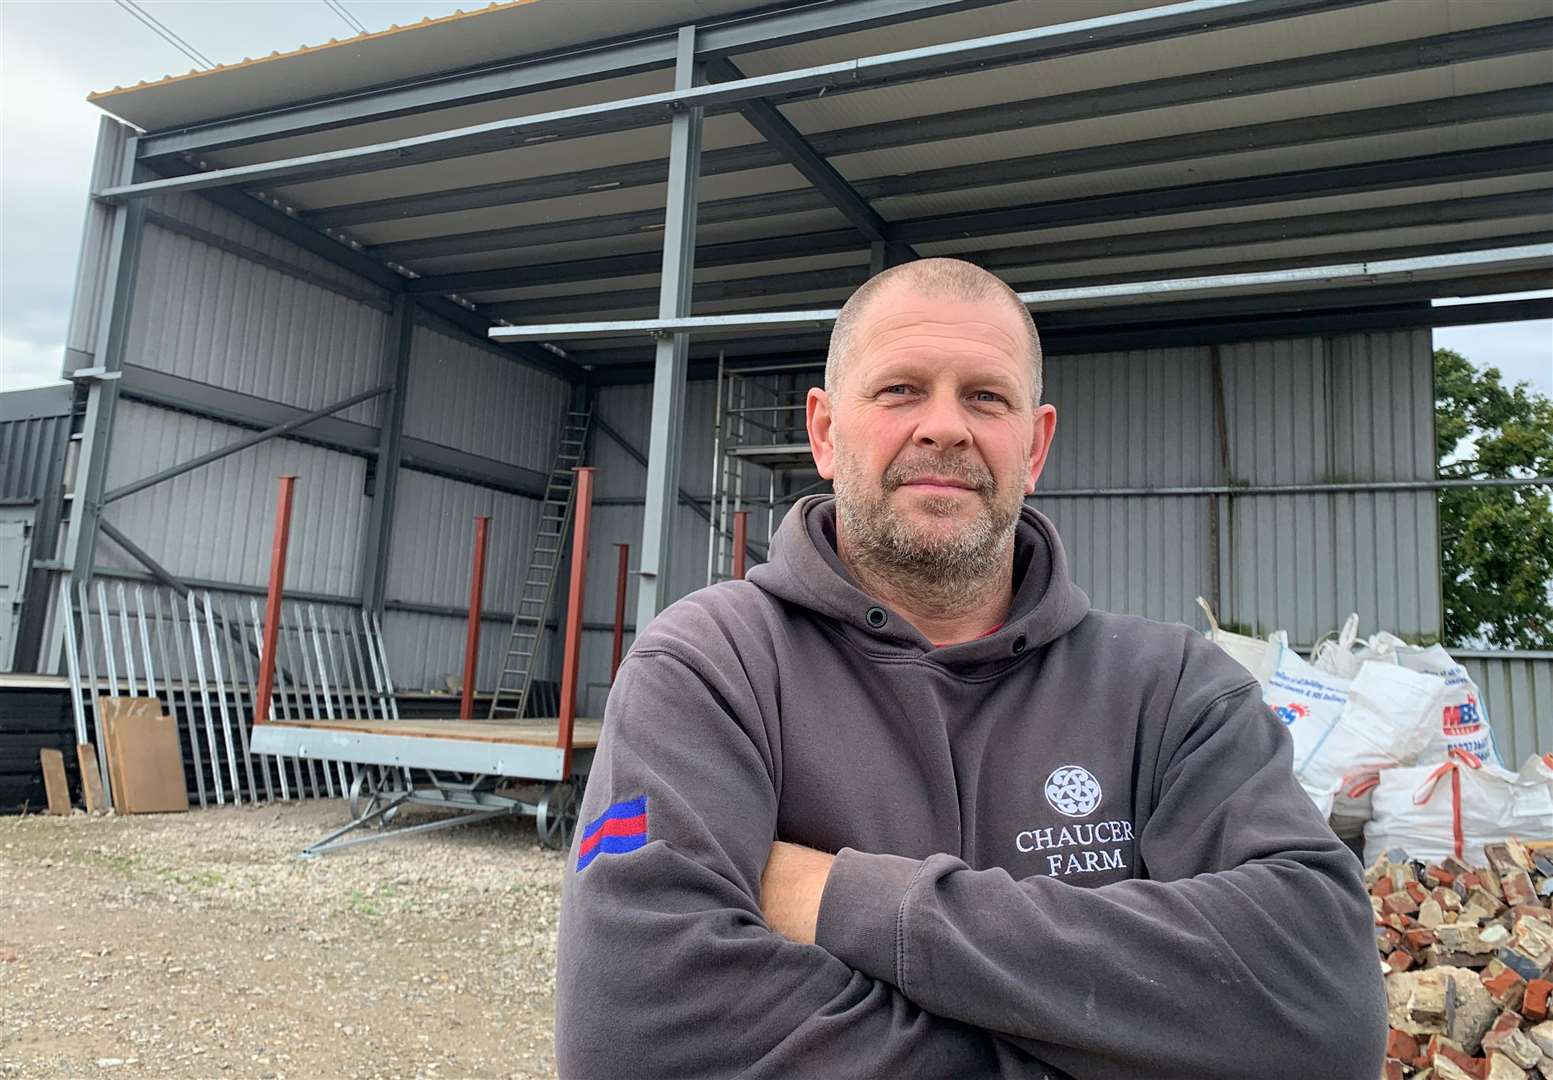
x,y
1247,952
664,965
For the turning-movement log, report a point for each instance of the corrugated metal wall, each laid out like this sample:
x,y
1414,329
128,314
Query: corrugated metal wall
x,y
34,435
472,399
1518,694
221,301
211,314
215,523
1332,410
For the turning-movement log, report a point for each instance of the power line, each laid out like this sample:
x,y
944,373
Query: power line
x,y
350,20
162,31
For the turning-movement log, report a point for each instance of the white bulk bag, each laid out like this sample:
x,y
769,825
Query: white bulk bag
x,y
1463,720
1386,723
1458,806
1309,702
1254,654
1336,656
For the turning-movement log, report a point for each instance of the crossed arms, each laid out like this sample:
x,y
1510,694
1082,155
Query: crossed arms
x,y
711,951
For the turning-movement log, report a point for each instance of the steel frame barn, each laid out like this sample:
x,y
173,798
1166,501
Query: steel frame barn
x,y
1216,193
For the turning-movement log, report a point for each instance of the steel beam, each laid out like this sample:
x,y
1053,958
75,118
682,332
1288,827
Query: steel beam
x,y
1535,257
305,236
242,410
1406,56
1414,171
1398,173
1483,208
238,446
777,130
380,517
1040,43
620,265
1159,241
740,33
703,364
668,394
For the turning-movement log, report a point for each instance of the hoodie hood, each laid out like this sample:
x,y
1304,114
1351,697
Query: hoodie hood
x,y
806,570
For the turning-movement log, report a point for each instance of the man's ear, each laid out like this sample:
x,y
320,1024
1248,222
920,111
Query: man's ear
x,y
1041,443
818,416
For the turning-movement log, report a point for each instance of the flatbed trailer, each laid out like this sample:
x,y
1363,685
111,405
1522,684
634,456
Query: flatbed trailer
x,y
470,766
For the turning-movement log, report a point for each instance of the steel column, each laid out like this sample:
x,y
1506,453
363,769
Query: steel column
x,y
741,526
103,394
466,706
622,583
272,612
668,396
380,519
571,657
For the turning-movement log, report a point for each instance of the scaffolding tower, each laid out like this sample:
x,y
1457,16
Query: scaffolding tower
x,y
758,422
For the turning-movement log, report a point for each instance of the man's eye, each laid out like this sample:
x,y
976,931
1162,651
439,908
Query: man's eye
x,y
898,388
988,395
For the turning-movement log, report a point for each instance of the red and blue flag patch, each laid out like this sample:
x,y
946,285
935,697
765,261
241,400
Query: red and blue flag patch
x,y
621,828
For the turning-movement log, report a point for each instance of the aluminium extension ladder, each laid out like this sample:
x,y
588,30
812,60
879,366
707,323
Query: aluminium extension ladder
x,y
538,593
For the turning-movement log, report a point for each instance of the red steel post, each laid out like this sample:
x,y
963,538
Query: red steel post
x,y
621,582
466,706
741,525
582,516
261,702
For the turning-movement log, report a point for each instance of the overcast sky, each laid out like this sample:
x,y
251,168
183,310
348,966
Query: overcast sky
x,y
52,54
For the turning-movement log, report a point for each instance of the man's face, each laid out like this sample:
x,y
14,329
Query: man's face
x,y
930,435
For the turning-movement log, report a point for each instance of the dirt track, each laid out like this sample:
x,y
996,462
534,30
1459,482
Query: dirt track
x,y
198,944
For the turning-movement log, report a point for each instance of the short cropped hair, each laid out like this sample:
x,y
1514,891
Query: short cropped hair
x,y
953,279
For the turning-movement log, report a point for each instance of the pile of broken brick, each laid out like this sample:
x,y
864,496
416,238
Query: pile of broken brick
x,y
1468,957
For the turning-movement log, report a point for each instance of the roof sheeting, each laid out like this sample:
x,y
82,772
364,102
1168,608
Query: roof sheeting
x,y
504,31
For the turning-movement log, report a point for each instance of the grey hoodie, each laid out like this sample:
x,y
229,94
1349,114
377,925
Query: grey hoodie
x,y
1072,848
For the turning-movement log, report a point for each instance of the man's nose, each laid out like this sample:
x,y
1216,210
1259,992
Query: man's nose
x,y
941,425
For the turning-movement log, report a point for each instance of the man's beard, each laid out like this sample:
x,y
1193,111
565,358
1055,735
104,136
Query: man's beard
x,y
890,545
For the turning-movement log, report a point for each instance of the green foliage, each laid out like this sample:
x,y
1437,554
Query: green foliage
x,y
1496,544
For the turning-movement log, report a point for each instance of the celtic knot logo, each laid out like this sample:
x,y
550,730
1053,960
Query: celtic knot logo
x,y
1072,791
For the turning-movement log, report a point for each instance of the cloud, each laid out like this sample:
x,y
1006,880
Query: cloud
x,y
24,364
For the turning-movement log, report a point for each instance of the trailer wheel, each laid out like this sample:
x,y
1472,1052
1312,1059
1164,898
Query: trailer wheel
x,y
370,789
556,819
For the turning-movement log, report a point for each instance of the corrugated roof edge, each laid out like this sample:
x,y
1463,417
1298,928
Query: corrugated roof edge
x,y
99,96
52,400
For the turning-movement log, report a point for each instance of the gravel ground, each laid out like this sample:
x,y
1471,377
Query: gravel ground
x,y
198,944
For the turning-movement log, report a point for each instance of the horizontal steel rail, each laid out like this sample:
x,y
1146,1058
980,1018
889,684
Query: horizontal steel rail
x,y
624,365
1405,172
1046,42
1417,54
649,52
1049,257
1530,256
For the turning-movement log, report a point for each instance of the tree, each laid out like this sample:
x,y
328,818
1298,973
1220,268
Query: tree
x,y
1496,543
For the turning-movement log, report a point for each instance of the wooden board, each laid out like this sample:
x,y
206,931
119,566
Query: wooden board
x,y
538,731
54,782
145,758
91,779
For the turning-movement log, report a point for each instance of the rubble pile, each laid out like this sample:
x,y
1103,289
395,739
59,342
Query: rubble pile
x,y
1468,957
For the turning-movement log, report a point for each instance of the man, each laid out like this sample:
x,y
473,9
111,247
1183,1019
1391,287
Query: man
x,y
901,804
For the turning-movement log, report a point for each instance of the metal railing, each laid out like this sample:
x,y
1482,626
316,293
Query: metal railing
x,y
198,653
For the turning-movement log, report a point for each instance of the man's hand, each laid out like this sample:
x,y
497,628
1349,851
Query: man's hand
x,y
790,890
